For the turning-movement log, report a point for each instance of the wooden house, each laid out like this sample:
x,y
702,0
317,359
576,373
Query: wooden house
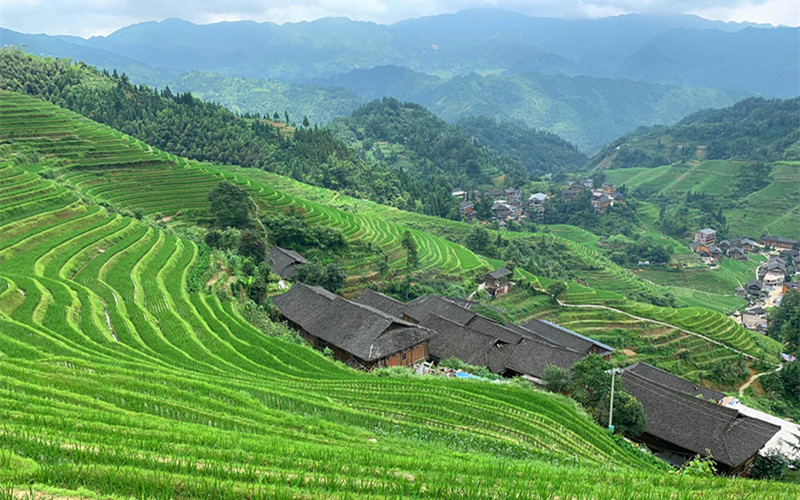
x,y
497,282
608,188
681,425
778,242
736,253
601,202
359,335
467,209
567,338
285,261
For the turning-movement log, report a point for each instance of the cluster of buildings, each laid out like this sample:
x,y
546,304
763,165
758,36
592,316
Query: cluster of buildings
x,y
602,198
507,204
375,330
705,245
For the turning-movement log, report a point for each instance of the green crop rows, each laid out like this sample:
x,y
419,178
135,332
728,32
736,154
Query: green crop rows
x,y
115,380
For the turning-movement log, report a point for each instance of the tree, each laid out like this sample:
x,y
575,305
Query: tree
x,y
329,276
305,121
479,240
556,379
556,289
412,257
230,205
252,245
629,416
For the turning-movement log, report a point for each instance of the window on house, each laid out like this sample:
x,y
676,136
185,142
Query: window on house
x,y
404,355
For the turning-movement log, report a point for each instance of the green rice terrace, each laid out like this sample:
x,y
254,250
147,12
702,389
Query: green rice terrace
x,y
773,209
116,381
103,164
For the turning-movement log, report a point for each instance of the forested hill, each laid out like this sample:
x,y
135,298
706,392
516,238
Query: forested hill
x,y
754,129
425,147
538,151
184,125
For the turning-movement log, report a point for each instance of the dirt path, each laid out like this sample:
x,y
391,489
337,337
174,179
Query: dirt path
x,y
754,378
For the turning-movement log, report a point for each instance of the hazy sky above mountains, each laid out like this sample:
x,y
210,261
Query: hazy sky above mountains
x,y
100,17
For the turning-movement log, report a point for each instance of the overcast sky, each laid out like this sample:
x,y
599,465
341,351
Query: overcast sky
x,y
100,17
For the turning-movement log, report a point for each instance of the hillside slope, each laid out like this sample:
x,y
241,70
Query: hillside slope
x,y
122,382
754,129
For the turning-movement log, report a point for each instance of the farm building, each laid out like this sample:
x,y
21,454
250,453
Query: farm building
x,y
681,425
285,261
359,335
497,282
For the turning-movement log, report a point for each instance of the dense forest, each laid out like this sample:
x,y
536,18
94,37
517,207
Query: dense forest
x,y
538,151
425,151
754,129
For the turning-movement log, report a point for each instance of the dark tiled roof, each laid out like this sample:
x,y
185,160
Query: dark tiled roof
x,y
493,329
500,273
363,331
451,340
697,425
381,302
284,261
674,382
420,307
563,336
531,357
755,284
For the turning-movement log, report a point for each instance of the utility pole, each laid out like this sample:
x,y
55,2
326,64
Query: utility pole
x,y
611,403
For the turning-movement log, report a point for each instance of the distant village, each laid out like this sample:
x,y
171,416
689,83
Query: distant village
x,y
772,279
509,205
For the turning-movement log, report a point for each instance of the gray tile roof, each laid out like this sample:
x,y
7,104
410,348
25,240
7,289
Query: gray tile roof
x,y
363,331
284,261
420,307
674,382
381,302
500,273
697,425
563,336
451,340
531,357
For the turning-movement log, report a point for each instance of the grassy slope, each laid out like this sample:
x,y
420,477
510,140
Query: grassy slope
x,y
118,381
772,210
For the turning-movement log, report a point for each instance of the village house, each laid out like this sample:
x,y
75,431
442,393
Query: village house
x,y
777,242
467,209
698,247
536,204
706,236
716,253
608,188
495,193
681,425
601,202
618,197
502,210
285,261
460,194
570,193
736,253
726,244
748,245
774,278
361,336
755,319
775,265
513,195
754,287
497,282
789,286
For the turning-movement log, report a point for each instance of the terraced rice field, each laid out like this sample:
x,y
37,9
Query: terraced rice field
x,y
117,382
635,340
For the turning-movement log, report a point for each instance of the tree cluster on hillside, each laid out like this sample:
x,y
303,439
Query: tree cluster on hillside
x,y
539,152
620,218
425,151
754,129
784,326
680,218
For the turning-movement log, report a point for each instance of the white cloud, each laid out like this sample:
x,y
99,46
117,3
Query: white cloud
x,y
93,17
